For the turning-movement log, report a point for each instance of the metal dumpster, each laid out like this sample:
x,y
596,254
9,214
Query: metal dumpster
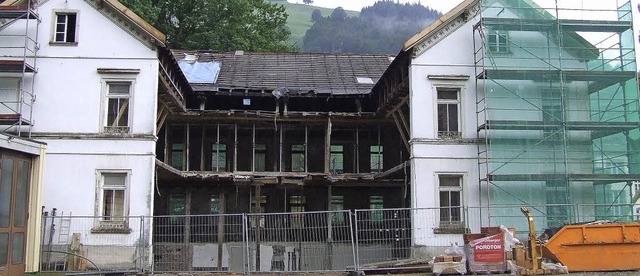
x,y
597,247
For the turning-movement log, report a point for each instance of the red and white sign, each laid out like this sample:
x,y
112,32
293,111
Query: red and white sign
x,y
489,249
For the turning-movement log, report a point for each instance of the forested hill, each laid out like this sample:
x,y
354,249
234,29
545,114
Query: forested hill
x,y
380,29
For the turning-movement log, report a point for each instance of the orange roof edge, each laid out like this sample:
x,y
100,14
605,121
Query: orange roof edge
x,y
9,2
138,21
124,11
452,14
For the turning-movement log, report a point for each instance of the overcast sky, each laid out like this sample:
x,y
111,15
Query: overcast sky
x,y
356,5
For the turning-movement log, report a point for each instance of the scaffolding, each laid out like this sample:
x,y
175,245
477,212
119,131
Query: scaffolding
x,y
557,104
18,52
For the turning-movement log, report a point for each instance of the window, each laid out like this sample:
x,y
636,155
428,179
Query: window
x,y
337,204
177,153
375,155
297,205
65,27
113,200
448,113
557,211
498,42
117,117
297,158
255,219
337,158
376,204
219,157
450,201
177,205
551,113
261,158
214,205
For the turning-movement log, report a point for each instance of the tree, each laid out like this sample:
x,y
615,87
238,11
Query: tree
x,y
219,25
316,15
381,28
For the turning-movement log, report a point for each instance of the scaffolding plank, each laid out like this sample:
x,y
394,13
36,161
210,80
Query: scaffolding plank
x,y
598,80
601,129
517,24
561,176
15,66
14,12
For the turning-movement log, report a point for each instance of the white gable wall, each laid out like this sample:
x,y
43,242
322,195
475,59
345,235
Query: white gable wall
x,y
70,109
451,58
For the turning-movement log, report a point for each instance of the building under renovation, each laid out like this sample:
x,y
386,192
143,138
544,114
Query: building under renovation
x,y
518,103
276,132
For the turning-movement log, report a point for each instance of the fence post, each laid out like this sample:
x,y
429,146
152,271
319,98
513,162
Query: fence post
x,y
353,222
246,269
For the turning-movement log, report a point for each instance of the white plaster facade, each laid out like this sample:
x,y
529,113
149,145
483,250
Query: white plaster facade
x,y
69,114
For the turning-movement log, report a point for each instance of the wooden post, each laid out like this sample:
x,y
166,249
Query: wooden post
x,y
187,145
357,150
253,148
327,147
235,148
281,145
306,146
223,203
202,151
329,255
258,210
187,218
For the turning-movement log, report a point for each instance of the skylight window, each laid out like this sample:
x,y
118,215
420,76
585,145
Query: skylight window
x,y
364,80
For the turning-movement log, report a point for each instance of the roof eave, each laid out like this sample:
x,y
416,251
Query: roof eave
x,y
443,20
158,37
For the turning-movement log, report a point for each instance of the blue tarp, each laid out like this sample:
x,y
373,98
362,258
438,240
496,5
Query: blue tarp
x,y
200,72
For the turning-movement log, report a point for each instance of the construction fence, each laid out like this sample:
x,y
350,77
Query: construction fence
x,y
310,241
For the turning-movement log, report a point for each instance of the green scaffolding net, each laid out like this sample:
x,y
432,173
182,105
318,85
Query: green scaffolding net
x,y
557,106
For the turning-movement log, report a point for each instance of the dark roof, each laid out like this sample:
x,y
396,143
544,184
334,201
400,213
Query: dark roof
x,y
296,73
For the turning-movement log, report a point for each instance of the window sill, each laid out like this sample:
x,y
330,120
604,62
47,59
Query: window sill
x,y
110,230
115,131
451,231
449,135
59,43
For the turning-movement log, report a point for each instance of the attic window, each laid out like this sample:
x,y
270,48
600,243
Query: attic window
x,y
65,27
364,80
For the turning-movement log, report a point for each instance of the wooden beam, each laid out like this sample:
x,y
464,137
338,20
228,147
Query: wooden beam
x,y
327,147
405,124
402,134
258,198
221,226
161,122
402,102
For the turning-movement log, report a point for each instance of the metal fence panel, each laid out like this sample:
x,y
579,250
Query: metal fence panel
x,y
75,243
198,243
310,241
383,235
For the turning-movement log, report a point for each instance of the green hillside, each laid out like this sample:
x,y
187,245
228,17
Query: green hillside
x,y
299,20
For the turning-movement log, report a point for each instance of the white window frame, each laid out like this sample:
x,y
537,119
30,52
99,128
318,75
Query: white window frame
x,y
448,134
118,225
451,224
501,43
112,76
54,23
